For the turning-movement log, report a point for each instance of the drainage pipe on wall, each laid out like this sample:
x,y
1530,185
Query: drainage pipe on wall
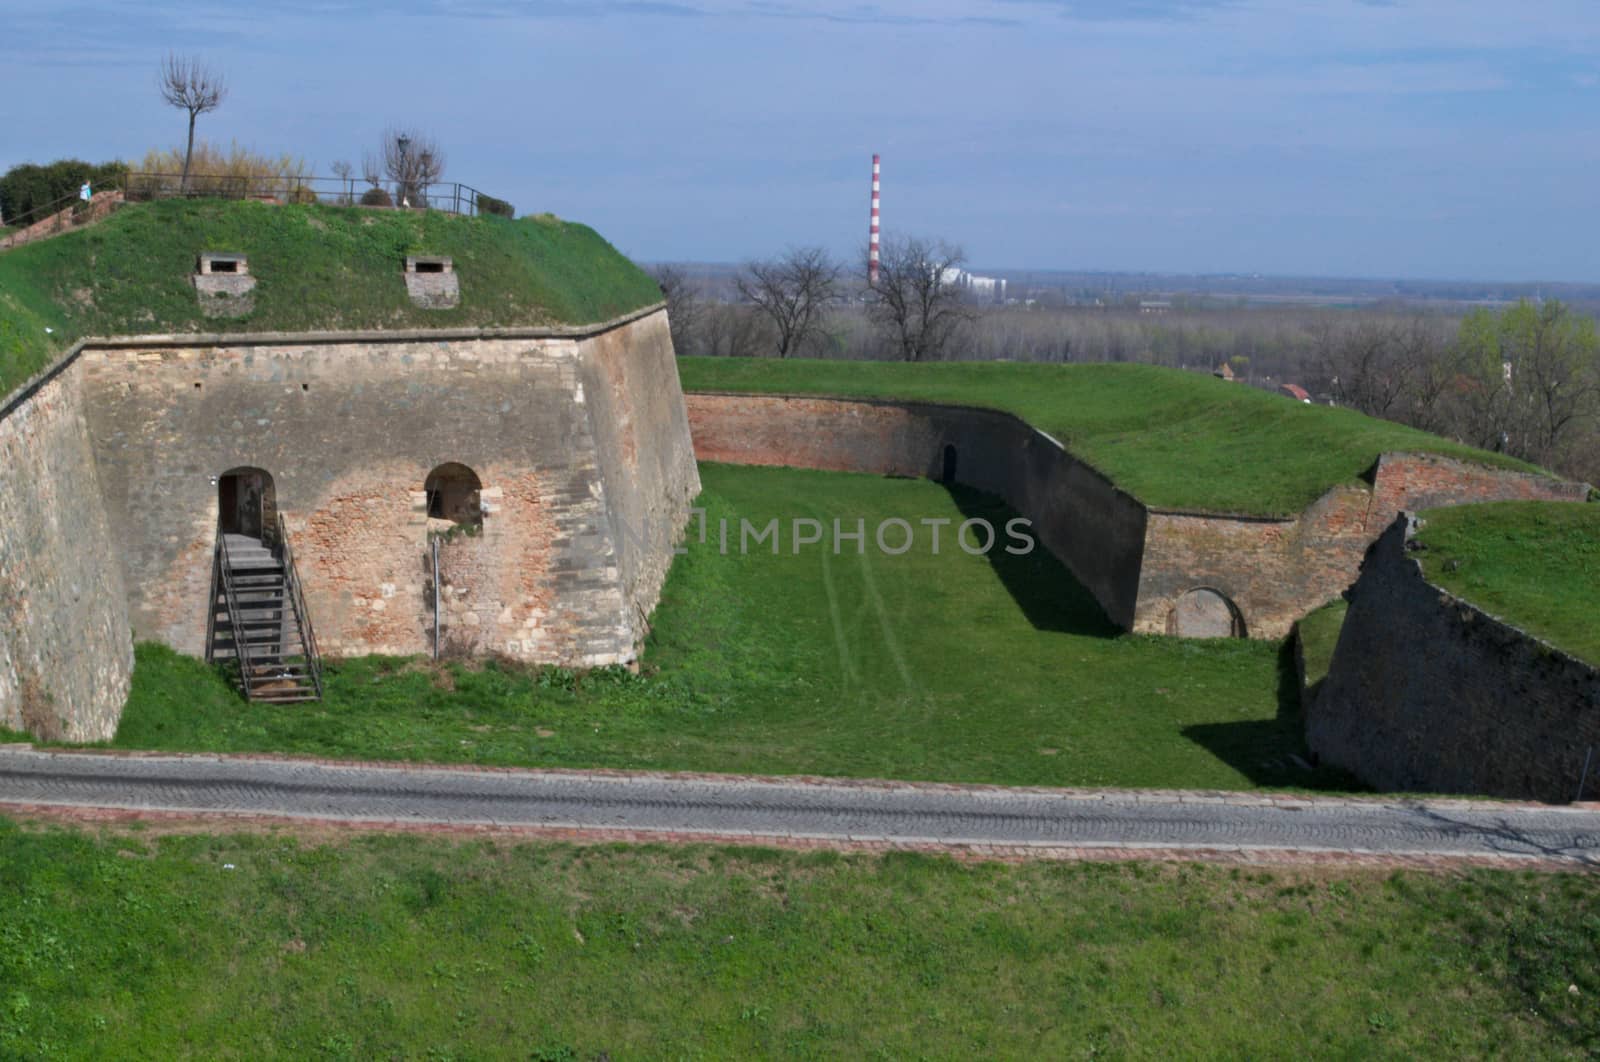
x,y
435,542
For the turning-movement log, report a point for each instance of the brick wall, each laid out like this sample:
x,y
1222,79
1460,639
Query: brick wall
x,y
645,455
349,432
1275,571
1427,692
65,654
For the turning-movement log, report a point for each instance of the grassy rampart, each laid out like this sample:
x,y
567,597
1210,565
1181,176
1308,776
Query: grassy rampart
x,y
1535,565
1173,439
316,268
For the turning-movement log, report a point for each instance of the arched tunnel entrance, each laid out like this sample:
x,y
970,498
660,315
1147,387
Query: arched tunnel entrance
x,y
1205,613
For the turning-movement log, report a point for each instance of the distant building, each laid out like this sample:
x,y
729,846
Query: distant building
x,y
1154,306
986,289
1223,371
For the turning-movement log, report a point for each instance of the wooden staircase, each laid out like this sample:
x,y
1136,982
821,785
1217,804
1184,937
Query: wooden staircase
x,y
258,618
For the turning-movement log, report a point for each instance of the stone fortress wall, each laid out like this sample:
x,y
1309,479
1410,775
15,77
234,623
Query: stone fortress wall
x,y
1153,571
65,655
1428,692
577,436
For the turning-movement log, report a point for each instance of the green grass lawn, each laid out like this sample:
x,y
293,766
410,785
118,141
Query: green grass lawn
x,y
1173,439
1319,635
1534,564
316,268
122,946
921,666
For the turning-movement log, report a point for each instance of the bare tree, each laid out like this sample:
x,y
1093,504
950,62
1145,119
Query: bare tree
x,y
793,292
412,160
916,300
343,170
189,85
683,307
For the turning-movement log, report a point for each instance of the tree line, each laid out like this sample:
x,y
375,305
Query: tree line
x,y
1522,379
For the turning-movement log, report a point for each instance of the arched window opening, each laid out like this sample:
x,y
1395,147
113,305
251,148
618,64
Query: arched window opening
x,y
452,491
949,470
247,503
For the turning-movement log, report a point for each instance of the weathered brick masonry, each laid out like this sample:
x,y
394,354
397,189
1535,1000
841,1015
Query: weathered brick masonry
x,y
1428,692
1153,570
109,497
65,654
349,431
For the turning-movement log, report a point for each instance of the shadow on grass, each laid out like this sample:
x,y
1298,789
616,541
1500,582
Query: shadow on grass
x,y
1266,751
1049,595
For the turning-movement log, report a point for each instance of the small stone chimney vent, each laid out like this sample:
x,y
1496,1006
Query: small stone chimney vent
x,y
431,282
224,284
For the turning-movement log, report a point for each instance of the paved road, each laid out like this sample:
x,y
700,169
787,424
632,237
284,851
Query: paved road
x,y
775,808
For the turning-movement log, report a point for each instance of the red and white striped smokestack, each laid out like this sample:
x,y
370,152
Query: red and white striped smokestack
x,y
872,240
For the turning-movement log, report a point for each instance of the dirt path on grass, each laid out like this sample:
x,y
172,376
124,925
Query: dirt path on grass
x,y
978,821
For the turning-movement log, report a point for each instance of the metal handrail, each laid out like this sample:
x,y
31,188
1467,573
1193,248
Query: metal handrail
x,y
449,196
297,601
241,648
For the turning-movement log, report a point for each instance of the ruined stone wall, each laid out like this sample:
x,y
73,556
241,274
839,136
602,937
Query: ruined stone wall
x,y
66,657
349,431
1427,692
647,462
1096,530
1412,482
1275,571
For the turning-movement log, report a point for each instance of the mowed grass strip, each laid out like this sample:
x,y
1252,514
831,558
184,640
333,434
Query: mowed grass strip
x,y
1173,439
1535,565
316,268
941,666
261,947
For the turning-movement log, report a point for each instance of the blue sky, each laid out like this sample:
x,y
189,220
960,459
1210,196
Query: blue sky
x,y
1419,138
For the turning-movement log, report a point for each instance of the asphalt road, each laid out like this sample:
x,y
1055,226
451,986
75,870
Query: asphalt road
x,y
776,808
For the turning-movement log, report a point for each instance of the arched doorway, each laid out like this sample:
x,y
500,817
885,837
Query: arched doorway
x,y
1205,613
948,473
453,494
247,503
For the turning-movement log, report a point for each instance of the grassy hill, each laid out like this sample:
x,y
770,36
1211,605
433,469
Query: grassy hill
x,y
316,268
1533,564
1175,440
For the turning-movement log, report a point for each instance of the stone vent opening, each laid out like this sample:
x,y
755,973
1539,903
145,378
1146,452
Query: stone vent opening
x,y
431,282
211,263
224,284
453,492
948,472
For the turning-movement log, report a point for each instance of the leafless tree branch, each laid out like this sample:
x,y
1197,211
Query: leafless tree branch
x,y
190,86
794,292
